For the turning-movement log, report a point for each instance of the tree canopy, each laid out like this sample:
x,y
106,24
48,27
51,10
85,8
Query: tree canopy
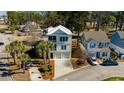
x,y
74,20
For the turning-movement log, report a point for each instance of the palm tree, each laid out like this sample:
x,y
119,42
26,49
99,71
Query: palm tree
x,y
24,58
43,49
15,49
49,47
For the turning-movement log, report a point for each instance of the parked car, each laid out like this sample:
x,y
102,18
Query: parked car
x,y
29,64
109,63
8,32
120,55
93,61
1,43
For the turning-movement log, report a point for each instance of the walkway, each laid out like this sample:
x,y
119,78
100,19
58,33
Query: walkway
x,y
35,75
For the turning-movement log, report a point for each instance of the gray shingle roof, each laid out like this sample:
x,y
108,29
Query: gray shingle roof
x,y
99,36
31,26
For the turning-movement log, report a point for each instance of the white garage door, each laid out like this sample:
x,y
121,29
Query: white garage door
x,y
64,55
62,66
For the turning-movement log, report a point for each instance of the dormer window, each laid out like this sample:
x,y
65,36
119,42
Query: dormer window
x,y
101,44
92,45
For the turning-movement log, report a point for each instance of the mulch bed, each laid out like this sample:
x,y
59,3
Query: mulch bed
x,y
76,65
18,75
48,75
76,53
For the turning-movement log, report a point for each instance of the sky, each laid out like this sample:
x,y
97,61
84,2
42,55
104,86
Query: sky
x,y
2,13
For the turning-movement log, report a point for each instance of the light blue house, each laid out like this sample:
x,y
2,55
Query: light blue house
x,y
117,42
62,37
96,43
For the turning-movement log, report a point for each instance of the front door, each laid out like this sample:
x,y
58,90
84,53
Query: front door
x,y
51,55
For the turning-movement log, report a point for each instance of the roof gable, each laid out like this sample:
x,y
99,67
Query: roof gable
x,y
121,34
92,41
59,32
59,29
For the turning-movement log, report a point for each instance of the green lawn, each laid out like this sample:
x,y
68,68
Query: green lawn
x,y
114,79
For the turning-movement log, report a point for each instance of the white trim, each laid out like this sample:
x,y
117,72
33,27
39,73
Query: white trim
x,y
62,28
117,48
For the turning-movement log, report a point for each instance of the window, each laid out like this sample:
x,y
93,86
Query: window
x,y
104,54
66,38
107,44
92,45
100,44
52,38
63,39
63,47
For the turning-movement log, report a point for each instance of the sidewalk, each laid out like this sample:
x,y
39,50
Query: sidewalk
x,y
35,75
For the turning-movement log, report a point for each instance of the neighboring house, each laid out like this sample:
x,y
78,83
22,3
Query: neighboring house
x,y
62,37
3,19
117,42
96,43
30,28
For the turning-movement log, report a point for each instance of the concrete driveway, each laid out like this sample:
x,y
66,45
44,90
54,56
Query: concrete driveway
x,y
94,73
62,67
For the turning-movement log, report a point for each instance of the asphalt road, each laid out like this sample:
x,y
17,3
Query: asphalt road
x,y
93,73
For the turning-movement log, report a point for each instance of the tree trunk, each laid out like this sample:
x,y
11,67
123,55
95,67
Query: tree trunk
x,y
98,21
121,24
91,23
116,26
14,58
20,65
78,38
45,63
94,23
23,66
49,56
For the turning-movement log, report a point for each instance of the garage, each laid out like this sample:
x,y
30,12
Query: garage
x,y
62,66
